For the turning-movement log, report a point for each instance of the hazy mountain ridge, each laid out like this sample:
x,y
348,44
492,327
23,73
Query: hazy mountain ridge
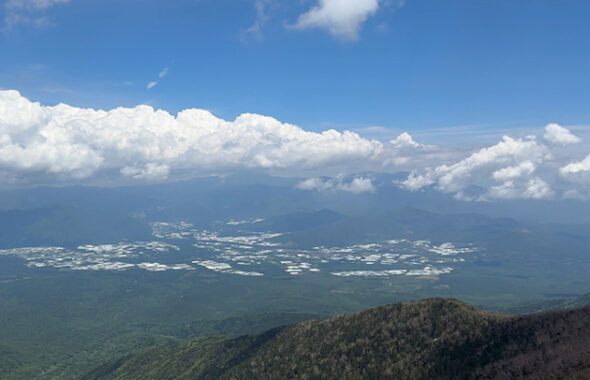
x,y
68,225
435,338
550,305
253,194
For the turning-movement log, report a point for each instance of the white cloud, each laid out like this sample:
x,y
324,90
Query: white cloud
x,y
507,190
144,143
356,186
342,18
576,167
151,85
577,175
416,182
556,134
314,184
511,161
513,172
65,144
508,151
534,188
403,151
404,140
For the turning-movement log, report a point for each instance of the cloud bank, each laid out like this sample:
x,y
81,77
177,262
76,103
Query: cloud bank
x,y
510,169
63,144
142,143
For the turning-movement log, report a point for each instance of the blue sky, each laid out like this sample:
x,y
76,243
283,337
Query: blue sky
x,y
424,65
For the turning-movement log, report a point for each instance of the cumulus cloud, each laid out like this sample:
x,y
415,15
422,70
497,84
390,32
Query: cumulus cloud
x,y
342,18
577,167
355,185
142,143
404,151
511,161
404,140
416,181
577,174
556,134
65,144
534,188
512,172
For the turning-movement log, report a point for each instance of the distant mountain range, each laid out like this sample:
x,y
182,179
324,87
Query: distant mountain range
x,y
430,339
251,194
550,305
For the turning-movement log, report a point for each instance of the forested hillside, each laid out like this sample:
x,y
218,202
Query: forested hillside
x,y
431,339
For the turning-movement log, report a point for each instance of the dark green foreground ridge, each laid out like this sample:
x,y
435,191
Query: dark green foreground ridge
x,y
430,339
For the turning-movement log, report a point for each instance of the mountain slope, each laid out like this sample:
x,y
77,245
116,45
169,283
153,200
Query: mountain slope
x,y
436,338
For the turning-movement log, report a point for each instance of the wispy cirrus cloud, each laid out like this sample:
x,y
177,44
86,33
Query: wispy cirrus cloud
x,y
33,5
154,83
255,30
28,12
